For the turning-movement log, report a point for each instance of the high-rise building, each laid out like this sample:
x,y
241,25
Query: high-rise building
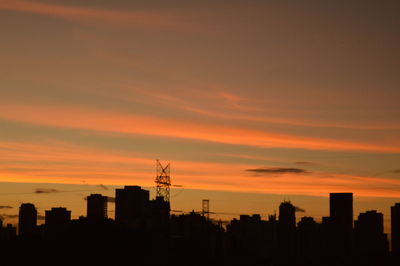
x,y
97,206
341,209
395,228
287,231
341,222
57,217
159,211
307,239
27,219
131,204
370,240
287,214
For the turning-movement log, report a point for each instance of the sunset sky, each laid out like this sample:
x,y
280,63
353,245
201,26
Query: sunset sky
x,y
252,102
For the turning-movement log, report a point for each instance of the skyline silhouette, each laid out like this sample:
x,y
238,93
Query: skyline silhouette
x,y
282,239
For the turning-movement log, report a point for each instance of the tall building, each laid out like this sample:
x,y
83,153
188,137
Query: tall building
x,y
307,239
131,204
286,231
57,217
27,219
395,228
370,240
341,222
159,211
287,214
97,206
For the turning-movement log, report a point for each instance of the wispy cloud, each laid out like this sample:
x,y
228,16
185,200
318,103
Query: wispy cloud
x,y
233,107
112,168
105,121
277,170
8,216
305,163
88,15
103,187
45,190
298,209
5,207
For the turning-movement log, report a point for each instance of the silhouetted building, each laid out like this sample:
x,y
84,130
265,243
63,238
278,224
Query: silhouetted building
x,y
370,240
287,214
57,223
195,239
308,245
27,219
97,206
159,211
57,217
9,232
250,239
326,236
341,222
286,232
395,228
131,205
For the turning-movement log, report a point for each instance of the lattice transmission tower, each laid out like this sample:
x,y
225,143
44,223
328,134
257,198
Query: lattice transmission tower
x,y
163,181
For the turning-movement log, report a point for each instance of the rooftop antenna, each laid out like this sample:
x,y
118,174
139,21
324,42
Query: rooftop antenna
x,y
163,181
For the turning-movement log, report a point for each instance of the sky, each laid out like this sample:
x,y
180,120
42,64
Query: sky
x,y
251,102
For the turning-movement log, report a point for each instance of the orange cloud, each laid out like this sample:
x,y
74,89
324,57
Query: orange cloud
x,y
103,121
244,109
90,14
63,163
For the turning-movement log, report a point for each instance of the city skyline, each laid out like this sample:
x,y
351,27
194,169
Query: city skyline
x,y
242,205
338,239
340,209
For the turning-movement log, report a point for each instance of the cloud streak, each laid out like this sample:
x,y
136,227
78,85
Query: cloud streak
x,y
8,216
305,163
106,121
103,187
109,168
45,190
277,170
244,109
298,209
88,15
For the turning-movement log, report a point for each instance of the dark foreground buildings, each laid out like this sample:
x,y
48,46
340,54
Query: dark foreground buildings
x,y
370,240
27,220
395,228
97,206
144,233
341,223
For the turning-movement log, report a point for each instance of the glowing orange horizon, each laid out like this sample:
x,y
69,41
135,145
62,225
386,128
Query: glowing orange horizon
x,y
69,164
103,121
